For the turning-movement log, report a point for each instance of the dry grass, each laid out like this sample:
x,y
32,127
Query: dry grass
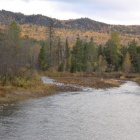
x,y
31,90
136,79
36,89
88,81
113,83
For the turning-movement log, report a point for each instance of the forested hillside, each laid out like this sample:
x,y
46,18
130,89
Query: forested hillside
x,y
83,24
27,48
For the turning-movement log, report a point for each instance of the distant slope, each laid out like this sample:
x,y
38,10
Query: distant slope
x,y
83,24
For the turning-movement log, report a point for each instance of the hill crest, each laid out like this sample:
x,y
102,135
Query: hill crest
x,y
82,24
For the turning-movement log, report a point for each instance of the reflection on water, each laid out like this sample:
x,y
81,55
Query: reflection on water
x,y
111,114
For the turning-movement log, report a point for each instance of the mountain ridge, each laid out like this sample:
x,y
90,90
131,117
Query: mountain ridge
x,y
82,24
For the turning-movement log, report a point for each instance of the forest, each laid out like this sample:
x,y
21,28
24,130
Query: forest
x,y
86,56
21,57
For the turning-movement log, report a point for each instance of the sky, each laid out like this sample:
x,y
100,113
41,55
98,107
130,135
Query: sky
x,y
124,12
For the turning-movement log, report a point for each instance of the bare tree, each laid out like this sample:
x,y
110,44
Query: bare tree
x,y
51,39
16,53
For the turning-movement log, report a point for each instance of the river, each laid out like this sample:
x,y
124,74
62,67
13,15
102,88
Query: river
x,y
94,114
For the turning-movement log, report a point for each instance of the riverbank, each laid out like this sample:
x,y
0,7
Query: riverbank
x,y
38,89
93,82
11,93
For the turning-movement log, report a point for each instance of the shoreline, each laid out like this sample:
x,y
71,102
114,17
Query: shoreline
x,y
13,94
92,82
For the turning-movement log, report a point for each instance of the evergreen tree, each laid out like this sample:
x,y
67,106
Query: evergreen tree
x,y
101,50
60,51
90,53
61,56
138,49
138,58
1,37
77,56
51,40
43,56
132,49
113,52
67,55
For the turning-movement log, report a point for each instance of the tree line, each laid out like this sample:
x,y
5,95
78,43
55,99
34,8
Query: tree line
x,y
21,56
86,56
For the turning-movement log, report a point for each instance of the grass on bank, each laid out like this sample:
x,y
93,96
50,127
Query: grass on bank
x,y
32,89
21,88
94,79
24,88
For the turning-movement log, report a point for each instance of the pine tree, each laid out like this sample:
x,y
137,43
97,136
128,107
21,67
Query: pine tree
x,y
132,49
67,55
43,56
101,50
91,53
60,58
113,52
60,51
138,58
78,56
51,39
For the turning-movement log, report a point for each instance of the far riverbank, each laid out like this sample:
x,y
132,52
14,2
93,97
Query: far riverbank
x,y
39,89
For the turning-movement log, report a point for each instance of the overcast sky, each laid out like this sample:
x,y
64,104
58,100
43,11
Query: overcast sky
x,y
109,11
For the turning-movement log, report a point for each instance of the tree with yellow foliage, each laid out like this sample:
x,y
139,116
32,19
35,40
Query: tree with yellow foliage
x,y
127,63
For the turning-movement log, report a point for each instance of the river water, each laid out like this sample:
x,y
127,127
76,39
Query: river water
x,y
94,114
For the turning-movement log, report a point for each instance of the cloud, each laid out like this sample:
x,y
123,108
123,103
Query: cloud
x,y
115,11
110,11
26,0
